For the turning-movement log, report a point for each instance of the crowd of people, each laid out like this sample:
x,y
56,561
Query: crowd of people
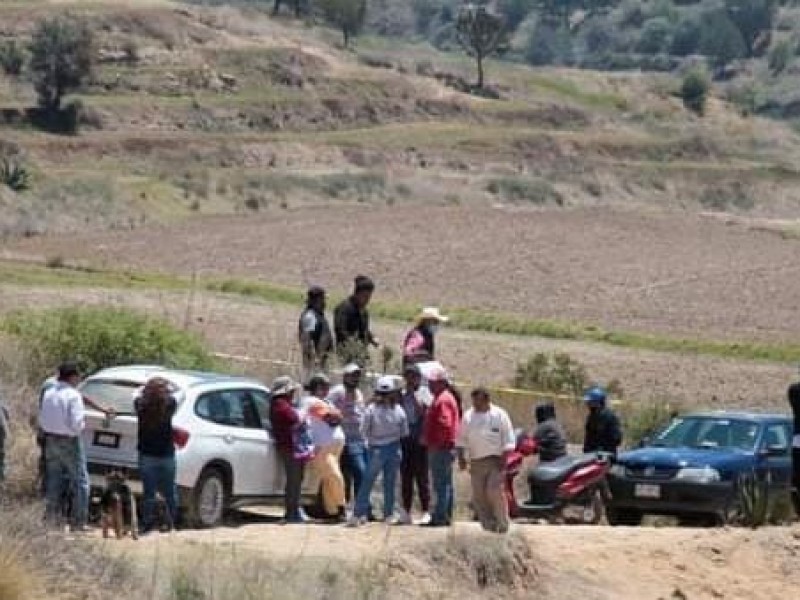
x,y
412,426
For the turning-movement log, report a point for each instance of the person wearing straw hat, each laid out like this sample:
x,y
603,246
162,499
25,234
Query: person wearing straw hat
x,y
287,422
419,343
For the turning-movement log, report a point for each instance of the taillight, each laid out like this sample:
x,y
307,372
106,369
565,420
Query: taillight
x,y
180,437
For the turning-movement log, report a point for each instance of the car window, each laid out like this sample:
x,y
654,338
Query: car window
x,y
709,432
116,394
261,400
776,436
235,408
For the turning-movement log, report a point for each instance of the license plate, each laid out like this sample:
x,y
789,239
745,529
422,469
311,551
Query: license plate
x,y
643,490
106,440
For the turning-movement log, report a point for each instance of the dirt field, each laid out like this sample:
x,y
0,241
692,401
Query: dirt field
x,y
671,272
267,331
568,562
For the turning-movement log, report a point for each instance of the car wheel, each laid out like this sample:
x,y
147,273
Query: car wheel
x,y
623,516
208,501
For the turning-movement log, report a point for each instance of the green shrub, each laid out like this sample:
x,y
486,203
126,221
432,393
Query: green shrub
x,y
641,421
726,196
101,337
536,191
12,58
686,39
694,90
780,57
656,36
547,46
558,374
14,174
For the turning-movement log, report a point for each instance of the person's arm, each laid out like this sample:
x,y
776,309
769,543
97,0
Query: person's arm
x,y
76,413
461,445
413,343
308,324
340,317
405,431
108,411
614,430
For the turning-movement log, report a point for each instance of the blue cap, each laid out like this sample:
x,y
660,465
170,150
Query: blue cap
x,y
595,395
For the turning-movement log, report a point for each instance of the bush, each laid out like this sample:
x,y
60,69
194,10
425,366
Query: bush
x,y
598,36
547,46
12,58
656,36
13,174
686,39
101,337
780,57
645,420
536,191
694,90
62,54
557,374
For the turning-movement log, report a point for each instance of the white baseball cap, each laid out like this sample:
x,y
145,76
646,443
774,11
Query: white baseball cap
x,y
351,368
385,385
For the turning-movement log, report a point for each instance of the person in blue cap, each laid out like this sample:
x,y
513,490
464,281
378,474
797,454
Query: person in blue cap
x,y
603,430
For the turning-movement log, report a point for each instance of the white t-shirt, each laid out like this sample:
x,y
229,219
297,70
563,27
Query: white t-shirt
x,y
62,411
486,434
323,434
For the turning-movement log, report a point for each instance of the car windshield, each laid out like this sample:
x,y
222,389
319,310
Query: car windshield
x,y
116,394
708,432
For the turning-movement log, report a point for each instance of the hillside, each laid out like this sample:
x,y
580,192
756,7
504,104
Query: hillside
x,y
202,110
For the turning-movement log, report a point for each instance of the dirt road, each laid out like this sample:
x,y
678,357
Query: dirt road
x,y
566,562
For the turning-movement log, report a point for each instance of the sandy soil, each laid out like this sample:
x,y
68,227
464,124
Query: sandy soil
x,y
654,272
262,331
571,562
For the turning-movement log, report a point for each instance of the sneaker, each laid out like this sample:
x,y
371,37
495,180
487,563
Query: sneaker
x,y
393,520
426,518
404,518
355,521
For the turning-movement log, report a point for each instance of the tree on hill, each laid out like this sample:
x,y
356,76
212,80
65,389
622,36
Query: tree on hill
x,y
720,40
62,53
481,33
297,5
754,19
346,15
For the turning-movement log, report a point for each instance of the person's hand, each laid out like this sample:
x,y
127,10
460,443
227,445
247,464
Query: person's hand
x,y
462,463
110,412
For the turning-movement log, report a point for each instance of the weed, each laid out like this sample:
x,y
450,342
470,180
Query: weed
x,y
724,197
642,421
515,189
55,262
753,495
12,58
14,174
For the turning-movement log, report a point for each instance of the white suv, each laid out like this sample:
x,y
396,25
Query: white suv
x,y
225,453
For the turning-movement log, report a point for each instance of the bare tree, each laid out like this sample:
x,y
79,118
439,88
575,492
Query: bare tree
x,y
481,33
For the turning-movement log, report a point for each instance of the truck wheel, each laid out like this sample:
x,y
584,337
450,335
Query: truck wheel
x,y
623,516
208,500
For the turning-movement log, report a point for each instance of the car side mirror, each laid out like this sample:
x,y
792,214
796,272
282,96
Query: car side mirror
x,y
775,450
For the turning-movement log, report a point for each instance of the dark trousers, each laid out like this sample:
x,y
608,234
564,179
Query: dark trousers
x,y
414,471
158,476
294,480
796,479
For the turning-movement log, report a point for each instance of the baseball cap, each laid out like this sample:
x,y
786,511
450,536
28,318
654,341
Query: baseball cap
x,y
283,386
437,374
351,368
384,385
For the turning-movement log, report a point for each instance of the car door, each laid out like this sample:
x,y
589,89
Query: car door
x,y
775,454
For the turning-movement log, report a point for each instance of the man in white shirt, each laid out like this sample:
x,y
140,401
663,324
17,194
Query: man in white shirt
x,y
486,437
61,419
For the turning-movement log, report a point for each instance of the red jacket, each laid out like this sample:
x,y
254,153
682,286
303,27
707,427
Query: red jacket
x,y
441,423
284,419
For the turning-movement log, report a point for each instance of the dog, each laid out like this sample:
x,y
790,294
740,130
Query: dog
x,y
118,507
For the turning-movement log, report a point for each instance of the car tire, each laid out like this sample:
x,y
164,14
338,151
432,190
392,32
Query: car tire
x,y
208,500
623,516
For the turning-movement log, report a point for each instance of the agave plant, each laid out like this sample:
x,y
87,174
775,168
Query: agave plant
x,y
14,174
753,499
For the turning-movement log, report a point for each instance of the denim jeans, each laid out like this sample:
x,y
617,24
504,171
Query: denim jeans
x,y
158,475
354,465
441,464
382,459
65,467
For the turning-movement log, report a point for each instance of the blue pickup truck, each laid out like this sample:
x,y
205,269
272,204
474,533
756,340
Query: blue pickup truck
x,y
690,469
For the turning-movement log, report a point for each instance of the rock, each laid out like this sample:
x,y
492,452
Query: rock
x,y
678,594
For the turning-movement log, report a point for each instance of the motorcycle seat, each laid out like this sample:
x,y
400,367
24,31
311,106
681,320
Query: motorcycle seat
x,y
560,468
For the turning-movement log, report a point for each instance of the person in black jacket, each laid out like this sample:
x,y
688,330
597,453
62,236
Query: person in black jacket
x,y
351,321
794,402
316,340
603,431
551,442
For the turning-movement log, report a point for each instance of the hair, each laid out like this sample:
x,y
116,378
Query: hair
x,y
363,283
154,403
67,369
482,392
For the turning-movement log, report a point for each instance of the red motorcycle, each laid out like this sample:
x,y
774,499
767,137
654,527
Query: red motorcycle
x,y
572,489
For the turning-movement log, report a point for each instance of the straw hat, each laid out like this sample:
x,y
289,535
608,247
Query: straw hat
x,y
431,313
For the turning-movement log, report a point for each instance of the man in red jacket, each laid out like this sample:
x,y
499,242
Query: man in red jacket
x,y
439,435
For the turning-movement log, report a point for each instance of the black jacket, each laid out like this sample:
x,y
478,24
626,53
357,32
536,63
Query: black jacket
x,y
349,322
603,432
550,440
794,402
